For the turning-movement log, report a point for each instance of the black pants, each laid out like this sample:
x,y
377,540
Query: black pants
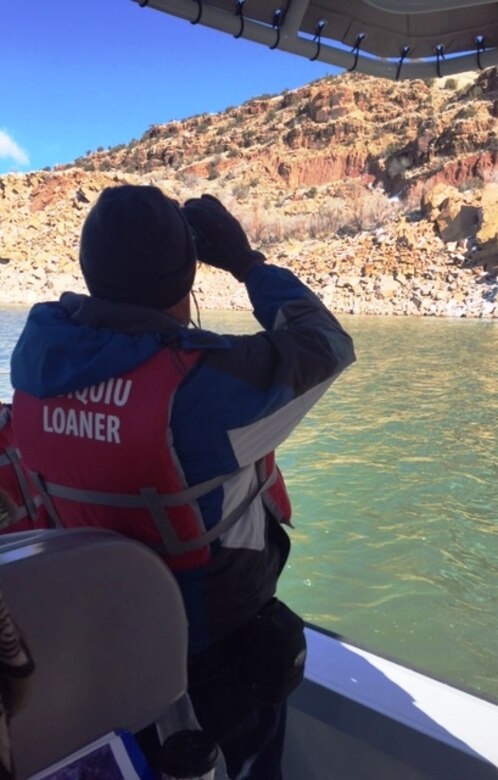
x,y
250,732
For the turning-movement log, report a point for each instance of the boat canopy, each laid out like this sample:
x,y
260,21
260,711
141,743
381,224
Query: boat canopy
x,y
389,38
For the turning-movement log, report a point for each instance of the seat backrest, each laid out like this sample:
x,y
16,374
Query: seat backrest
x,y
105,623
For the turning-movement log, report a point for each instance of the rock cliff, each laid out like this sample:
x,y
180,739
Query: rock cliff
x,y
383,196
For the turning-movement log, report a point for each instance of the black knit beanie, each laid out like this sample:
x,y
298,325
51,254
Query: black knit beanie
x,y
137,247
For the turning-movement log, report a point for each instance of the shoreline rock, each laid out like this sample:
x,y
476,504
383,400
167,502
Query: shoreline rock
x,y
440,260
440,292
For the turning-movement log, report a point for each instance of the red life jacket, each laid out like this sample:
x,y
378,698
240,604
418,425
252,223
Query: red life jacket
x,y
30,513
103,456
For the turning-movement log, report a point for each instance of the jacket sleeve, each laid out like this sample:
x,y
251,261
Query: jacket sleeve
x,y
248,393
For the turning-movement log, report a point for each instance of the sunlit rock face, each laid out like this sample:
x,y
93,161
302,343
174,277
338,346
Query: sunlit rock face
x,y
382,195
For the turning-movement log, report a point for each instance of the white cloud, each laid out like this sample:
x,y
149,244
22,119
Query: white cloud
x,y
9,148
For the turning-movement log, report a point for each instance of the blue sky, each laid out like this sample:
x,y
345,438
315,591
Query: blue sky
x,y
78,74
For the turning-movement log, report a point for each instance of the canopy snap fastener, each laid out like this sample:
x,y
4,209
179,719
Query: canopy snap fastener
x,y
276,24
356,50
239,11
199,12
317,38
439,49
480,47
404,53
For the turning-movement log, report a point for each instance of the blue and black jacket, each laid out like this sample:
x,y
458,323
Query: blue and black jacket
x,y
231,408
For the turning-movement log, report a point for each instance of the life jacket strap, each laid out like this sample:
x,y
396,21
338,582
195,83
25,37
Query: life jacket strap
x,y
136,500
4,417
156,504
171,545
41,487
22,511
179,547
13,459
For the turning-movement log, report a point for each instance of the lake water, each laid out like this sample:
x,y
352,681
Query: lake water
x,y
394,483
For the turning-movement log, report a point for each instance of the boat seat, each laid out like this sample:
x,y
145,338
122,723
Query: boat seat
x,y
105,622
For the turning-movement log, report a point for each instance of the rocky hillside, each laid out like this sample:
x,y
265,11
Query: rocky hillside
x,y
382,195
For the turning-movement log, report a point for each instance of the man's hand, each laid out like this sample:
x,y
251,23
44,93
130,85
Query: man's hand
x,y
219,237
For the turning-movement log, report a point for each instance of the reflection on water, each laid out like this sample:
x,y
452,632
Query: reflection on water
x,y
393,478
11,323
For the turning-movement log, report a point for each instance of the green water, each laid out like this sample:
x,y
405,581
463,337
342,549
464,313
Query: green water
x,y
394,483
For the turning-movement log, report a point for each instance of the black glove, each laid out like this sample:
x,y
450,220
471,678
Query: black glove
x,y
219,237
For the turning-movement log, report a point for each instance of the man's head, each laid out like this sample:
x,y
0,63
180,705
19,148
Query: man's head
x,y
136,247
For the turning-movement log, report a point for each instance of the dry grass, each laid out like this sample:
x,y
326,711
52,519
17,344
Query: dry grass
x,y
368,210
267,223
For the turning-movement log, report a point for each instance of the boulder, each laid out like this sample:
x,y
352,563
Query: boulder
x,y
432,200
487,236
455,219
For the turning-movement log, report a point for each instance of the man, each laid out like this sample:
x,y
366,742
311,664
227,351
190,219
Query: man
x,y
16,488
16,663
16,677
134,422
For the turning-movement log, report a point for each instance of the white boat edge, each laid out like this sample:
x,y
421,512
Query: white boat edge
x,y
359,715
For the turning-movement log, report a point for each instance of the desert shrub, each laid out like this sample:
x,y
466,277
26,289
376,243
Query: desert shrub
x,y
269,229
258,98
371,209
392,148
329,219
292,136
215,147
267,224
289,99
471,183
190,180
240,191
265,227
247,138
203,124
212,171
398,165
